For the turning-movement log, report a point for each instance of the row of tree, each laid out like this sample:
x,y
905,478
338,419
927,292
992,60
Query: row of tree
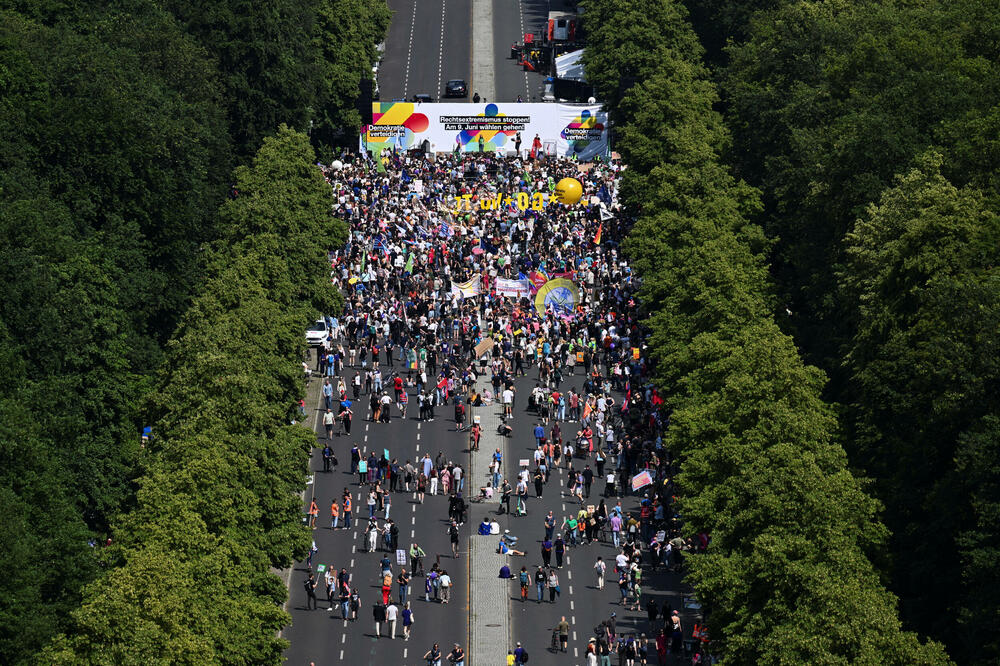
x,y
120,127
788,576
872,130
218,503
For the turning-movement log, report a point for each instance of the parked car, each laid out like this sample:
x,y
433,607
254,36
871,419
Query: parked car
x,y
456,88
317,332
422,97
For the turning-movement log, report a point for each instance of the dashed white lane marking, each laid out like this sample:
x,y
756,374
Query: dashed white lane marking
x,y
413,521
576,651
574,637
441,50
571,605
343,639
572,619
352,562
527,87
413,533
409,50
569,575
571,589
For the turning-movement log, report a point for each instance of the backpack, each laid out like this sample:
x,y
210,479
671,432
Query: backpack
x,y
524,657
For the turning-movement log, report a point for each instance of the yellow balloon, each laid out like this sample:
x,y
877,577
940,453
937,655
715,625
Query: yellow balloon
x,y
568,191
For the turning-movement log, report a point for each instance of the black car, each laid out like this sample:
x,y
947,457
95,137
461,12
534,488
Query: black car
x,y
456,88
421,97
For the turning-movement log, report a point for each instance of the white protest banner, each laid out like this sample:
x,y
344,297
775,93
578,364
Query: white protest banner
x,y
513,288
466,289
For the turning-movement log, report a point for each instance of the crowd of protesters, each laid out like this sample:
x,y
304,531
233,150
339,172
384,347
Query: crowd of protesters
x,y
429,239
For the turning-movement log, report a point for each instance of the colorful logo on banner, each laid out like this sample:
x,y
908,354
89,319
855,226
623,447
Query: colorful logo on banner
x,y
581,131
395,124
559,295
493,140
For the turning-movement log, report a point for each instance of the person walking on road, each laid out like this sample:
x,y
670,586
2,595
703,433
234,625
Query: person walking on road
x,y
407,621
334,514
553,586
563,628
505,493
444,583
313,513
600,568
546,553
560,549
403,581
453,536
550,526
310,585
348,504
345,600
539,584
328,419
391,615
355,604
378,612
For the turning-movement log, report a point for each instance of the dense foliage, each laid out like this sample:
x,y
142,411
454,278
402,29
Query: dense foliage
x,y
120,126
218,501
872,130
788,576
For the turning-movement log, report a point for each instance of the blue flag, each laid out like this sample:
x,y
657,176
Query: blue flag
x,y
604,195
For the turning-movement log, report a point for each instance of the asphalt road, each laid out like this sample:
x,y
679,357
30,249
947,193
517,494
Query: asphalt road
x,y
321,635
583,605
429,43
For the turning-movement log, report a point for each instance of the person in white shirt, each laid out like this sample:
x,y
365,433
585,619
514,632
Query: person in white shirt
x,y
600,567
391,614
445,583
621,561
508,403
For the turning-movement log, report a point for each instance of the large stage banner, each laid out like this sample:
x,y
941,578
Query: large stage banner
x,y
577,130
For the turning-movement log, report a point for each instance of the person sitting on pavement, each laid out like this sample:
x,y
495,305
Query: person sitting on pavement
x,y
484,527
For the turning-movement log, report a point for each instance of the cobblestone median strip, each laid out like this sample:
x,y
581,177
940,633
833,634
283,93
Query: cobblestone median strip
x,y
489,596
483,75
